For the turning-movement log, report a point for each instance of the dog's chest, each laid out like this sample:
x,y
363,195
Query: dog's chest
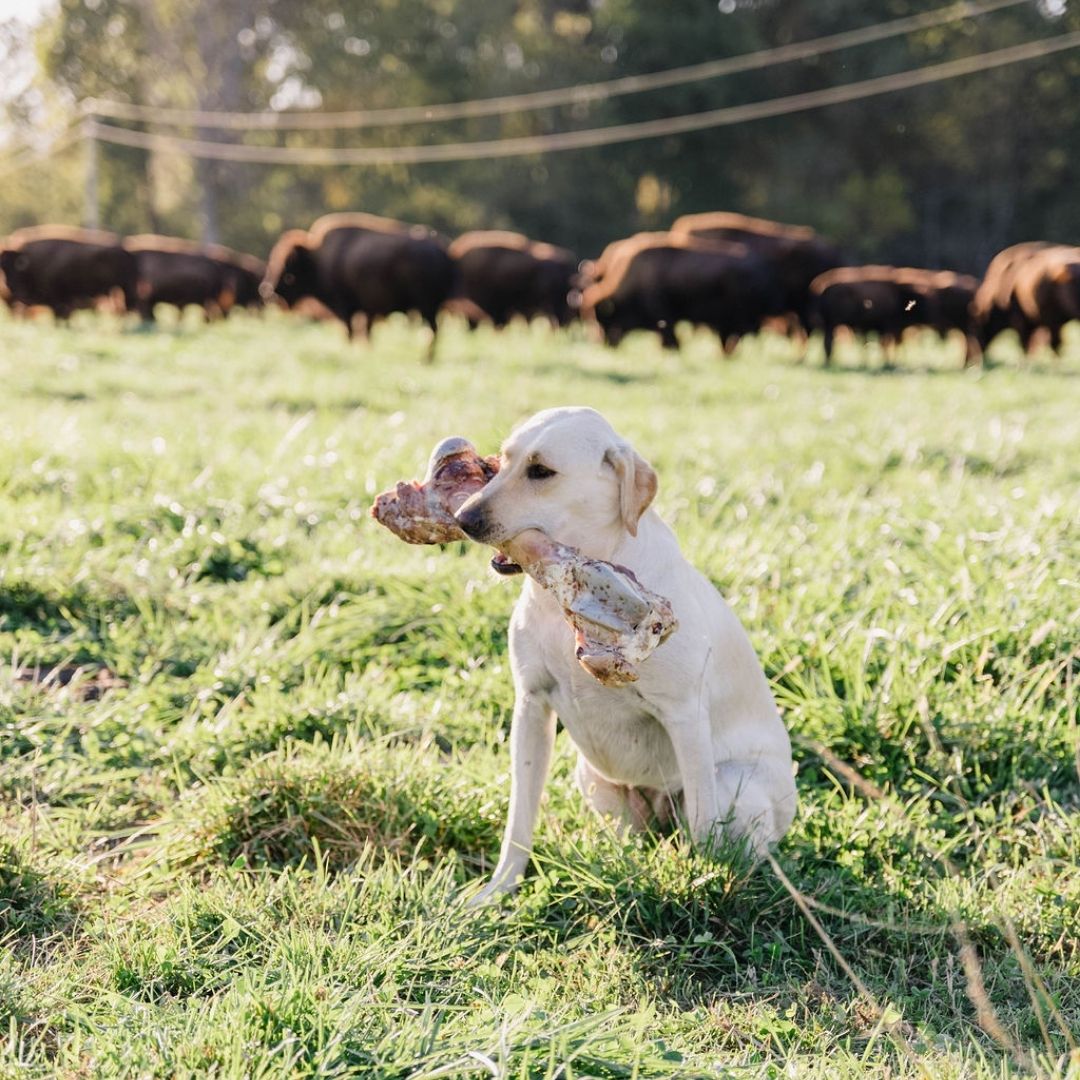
x,y
612,726
618,737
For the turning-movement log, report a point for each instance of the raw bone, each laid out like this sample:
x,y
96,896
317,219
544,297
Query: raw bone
x,y
617,622
423,513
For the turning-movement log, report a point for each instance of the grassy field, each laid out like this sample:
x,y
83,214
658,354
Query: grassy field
x,y
252,748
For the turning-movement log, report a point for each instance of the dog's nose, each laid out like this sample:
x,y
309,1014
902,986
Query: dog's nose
x,y
473,521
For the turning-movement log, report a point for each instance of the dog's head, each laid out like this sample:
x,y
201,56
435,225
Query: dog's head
x,y
566,472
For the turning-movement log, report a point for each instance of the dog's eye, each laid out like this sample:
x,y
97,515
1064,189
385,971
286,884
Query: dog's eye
x,y
536,471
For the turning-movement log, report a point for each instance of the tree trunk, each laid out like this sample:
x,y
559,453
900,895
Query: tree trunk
x,y
221,89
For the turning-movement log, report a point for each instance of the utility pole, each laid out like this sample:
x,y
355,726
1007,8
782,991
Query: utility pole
x,y
91,210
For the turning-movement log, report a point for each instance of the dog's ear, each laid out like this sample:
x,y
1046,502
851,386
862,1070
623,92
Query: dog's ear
x,y
637,483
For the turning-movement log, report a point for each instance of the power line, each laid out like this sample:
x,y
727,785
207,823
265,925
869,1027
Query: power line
x,y
589,137
567,95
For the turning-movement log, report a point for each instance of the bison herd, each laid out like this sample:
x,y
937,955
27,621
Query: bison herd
x,y
728,272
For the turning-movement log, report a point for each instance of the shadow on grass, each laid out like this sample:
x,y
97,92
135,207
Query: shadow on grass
x,y
904,369
24,605
894,370
605,374
32,904
701,930
308,404
706,932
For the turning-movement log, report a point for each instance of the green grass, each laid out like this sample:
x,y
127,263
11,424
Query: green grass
x,y
252,748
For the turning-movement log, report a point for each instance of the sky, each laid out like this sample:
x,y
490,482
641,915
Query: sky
x,y
23,10
17,69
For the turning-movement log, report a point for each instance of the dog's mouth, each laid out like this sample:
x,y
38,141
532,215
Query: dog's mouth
x,y
501,564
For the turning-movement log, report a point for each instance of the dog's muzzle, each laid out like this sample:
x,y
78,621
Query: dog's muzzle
x,y
474,522
476,525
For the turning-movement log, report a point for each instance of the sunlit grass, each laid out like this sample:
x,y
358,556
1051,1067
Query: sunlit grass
x,y
252,747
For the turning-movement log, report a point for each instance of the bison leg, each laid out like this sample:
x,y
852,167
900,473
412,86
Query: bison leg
x,y
358,326
613,333
131,299
888,344
1055,339
430,319
1031,338
666,329
973,354
828,338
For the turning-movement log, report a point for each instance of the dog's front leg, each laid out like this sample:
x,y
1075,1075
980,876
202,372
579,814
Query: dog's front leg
x,y
691,739
532,736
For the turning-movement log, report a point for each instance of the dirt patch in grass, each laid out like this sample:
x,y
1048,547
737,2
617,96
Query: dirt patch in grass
x,y
32,903
83,682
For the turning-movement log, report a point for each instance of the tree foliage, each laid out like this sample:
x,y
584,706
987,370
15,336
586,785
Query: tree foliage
x,y
942,175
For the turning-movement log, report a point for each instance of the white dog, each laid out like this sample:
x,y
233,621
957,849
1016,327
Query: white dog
x,y
699,732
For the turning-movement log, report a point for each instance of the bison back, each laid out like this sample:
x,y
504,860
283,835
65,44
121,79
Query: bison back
x,y
65,274
506,281
666,284
378,272
179,278
877,305
1047,287
795,255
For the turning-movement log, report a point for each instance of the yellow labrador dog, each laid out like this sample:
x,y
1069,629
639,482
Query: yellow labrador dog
x,y
698,734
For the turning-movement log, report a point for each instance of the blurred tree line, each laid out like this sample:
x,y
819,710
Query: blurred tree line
x,y
939,176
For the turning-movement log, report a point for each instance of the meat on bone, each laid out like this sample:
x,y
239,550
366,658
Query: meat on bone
x,y
423,513
617,621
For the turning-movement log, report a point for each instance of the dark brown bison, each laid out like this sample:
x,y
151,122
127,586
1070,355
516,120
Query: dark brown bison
x,y
359,264
506,274
949,298
180,272
593,271
887,300
652,284
1046,291
65,268
995,307
795,253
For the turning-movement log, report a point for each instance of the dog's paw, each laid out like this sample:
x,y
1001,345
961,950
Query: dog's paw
x,y
491,894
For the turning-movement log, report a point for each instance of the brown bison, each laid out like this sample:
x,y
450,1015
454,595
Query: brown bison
x,y
652,283
995,307
65,268
795,253
887,300
179,272
360,264
506,274
593,271
1046,291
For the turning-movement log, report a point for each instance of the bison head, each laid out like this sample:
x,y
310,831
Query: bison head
x,y
290,272
13,267
1066,280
